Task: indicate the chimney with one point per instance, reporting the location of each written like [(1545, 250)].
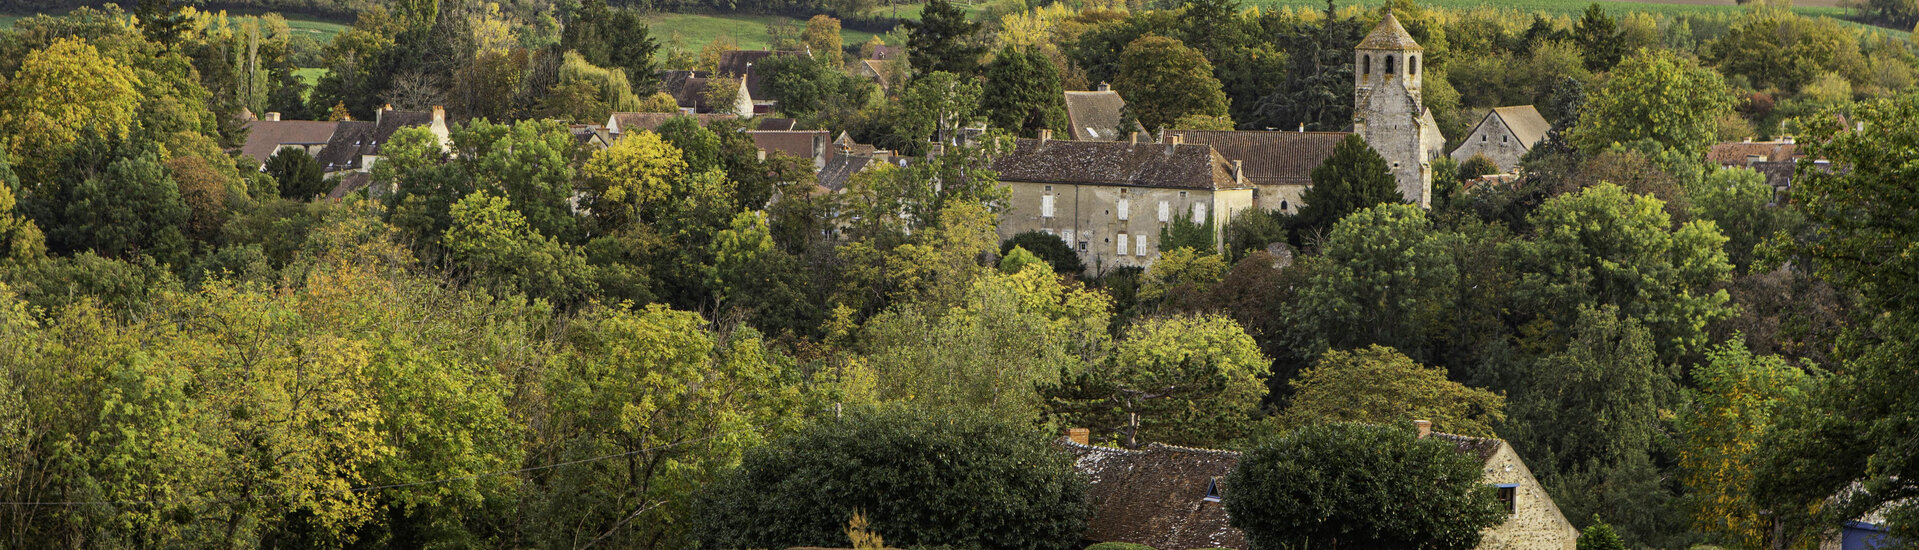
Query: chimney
[(1239, 172), (272, 116), (1045, 135), (1425, 428), (1081, 436), (1135, 138), (1302, 127), (439, 115), (1104, 87), (1173, 143), (1787, 139)]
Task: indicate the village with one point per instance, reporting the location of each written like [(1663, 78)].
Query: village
[(1094, 274)]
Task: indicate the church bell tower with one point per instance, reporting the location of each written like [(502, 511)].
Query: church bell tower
[(1388, 110)]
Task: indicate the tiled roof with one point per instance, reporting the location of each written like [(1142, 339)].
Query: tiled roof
[(352, 181), (1116, 163), (1525, 123), (1270, 158), (266, 136), (884, 52), (806, 144), (633, 122), (876, 69), (342, 151), (841, 168), (776, 124), (1735, 153), (1094, 116), (1389, 35), (1480, 447), (1156, 495)]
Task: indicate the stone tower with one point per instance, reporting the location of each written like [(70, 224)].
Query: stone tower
[(1388, 111)]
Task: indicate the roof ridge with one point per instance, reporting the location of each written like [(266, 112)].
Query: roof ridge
[(1220, 452)]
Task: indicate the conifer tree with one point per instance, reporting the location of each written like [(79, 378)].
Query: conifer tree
[(1354, 178)]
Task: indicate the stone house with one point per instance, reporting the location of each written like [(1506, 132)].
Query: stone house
[(1279, 165), (268, 135), (1505, 135), (355, 144), (1095, 115), (1170, 498), (1776, 160), (1389, 111), (1109, 199)]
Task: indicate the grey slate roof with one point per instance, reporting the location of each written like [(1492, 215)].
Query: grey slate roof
[(1270, 158), (266, 136), (688, 88), (841, 168), (1116, 163), (1094, 116), (342, 152), (739, 64), (1525, 123), (1156, 495), (1390, 35), (768, 124)]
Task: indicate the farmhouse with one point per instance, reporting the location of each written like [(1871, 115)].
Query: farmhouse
[(1505, 135)]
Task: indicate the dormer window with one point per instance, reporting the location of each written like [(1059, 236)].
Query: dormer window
[(1212, 490)]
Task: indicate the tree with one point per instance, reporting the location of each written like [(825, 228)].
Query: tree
[(943, 40), (1605, 247), (1378, 385), (59, 94), (1477, 166), (297, 173), (1022, 93), (1355, 177), (635, 173), (1183, 380), (1743, 206), (133, 208), (1163, 80), (1599, 39), (822, 37), (493, 244), (1384, 277), (1599, 536), (676, 402), (1355, 485), (613, 37), (20, 239), (1048, 247), (938, 105), (922, 477), (1720, 432), (1658, 96)]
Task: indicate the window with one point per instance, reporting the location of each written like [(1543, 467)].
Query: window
[(1482, 138), (1165, 212), (1503, 139), (1124, 207), (1509, 496), (1066, 235), (1139, 246), (1389, 64), (1046, 206), (1283, 206), (1122, 244), (1412, 65), (1082, 246), (1212, 490), (1366, 65), (1199, 212)]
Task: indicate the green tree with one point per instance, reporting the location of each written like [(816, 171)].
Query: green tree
[(1330, 485), (822, 37), (940, 104), (674, 403), (534, 164), (493, 244), (613, 37), (20, 238), (1658, 96), (1378, 385), (1599, 535), (133, 208), (1599, 40), (922, 477), (1384, 277), (943, 40), (1720, 431), (1022, 93), (1744, 207), (1048, 247), (1477, 166), (60, 94), (1183, 380), (1354, 178), (1163, 80), (297, 174), (635, 174)]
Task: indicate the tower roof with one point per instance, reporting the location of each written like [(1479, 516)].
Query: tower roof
[(1390, 35)]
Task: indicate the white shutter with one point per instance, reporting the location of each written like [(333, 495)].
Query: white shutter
[(1067, 236), (1139, 246), (1122, 244), (1046, 206), (1199, 212), (1165, 212), (1124, 207)]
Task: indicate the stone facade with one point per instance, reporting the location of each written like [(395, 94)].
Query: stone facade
[(1505, 135), (1389, 111), (1109, 200), (1536, 523)]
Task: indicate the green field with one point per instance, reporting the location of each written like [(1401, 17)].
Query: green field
[(1562, 7), (749, 31), (311, 76), (320, 30)]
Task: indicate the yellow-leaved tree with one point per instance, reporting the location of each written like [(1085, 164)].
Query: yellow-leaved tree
[(62, 92), (1721, 432), (637, 171)]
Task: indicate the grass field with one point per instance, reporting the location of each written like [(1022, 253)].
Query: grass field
[(1575, 7), (320, 30), (749, 31)]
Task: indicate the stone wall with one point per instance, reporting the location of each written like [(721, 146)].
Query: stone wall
[(1087, 217), (1536, 523), (1495, 140), (1392, 120)]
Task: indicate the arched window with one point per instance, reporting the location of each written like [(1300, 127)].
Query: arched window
[(1412, 65), (1389, 64), (1366, 65)]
